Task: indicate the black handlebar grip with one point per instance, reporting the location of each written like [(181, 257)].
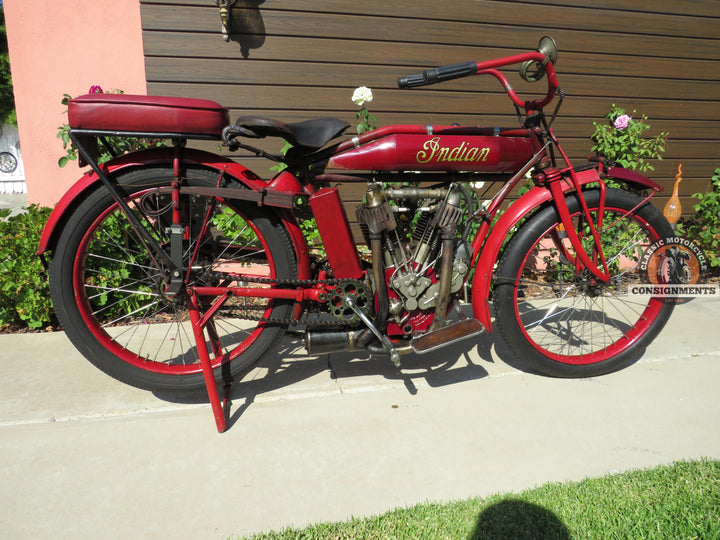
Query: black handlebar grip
[(438, 74), (453, 71), (411, 81)]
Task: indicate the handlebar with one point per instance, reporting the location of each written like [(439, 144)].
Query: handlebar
[(439, 74), (464, 69)]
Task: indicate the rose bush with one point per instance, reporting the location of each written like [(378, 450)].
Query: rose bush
[(118, 145), (362, 95), (366, 120), (621, 140), (622, 121)]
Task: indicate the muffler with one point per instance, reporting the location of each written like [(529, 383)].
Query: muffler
[(330, 342)]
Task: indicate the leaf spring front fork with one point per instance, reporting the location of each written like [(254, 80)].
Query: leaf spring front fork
[(581, 260)]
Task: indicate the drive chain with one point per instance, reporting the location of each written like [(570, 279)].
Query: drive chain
[(242, 312)]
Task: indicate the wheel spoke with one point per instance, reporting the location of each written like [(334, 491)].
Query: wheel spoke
[(562, 313), (127, 296)]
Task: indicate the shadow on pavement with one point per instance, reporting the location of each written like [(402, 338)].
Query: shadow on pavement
[(289, 364)]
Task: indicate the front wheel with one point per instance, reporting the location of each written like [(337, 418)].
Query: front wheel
[(562, 322), (110, 295)]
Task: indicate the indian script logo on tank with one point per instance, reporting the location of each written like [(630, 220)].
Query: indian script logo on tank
[(674, 269), (432, 152)]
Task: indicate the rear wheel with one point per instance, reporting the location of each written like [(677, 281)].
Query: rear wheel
[(563, 322), (110, 296)]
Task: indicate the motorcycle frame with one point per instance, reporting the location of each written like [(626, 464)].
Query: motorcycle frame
[(299, 185), (287, 189)]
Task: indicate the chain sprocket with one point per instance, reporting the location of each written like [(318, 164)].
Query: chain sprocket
[(358, 291)]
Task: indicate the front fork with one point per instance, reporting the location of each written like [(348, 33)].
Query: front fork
[(597, 266)]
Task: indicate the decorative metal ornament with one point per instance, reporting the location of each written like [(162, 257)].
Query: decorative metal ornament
[(673, 208), (8, 162), (225, 6)]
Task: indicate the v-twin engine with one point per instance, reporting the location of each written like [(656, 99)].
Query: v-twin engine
[(423, 260)]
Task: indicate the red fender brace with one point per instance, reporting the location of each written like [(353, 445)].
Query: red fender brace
[(165, 156)]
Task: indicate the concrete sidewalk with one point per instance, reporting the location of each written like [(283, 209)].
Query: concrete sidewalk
[(15, 202), (327, 438)]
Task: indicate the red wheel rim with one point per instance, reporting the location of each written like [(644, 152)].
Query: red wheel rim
[(128, 356), (643, 323)]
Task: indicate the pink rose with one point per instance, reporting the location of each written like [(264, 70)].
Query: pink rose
[(622, 121), (95, 89)]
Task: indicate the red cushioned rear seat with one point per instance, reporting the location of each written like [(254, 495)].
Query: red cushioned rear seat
[(147, 114)]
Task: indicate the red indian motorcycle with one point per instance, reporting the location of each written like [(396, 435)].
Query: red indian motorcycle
[(175, 269)]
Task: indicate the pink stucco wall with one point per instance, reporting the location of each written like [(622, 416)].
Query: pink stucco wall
[(59, 47)]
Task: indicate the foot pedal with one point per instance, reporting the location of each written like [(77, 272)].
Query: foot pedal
[(447, 335), (384, 340)]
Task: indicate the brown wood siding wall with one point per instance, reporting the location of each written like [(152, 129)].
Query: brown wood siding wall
[(303, 59)]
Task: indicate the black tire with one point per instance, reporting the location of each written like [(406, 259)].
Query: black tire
[(560, 322), (108, 293)]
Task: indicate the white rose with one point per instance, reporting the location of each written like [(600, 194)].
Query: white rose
[(362, 95)]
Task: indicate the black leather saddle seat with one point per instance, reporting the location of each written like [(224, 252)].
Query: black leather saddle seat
[(309, 134)]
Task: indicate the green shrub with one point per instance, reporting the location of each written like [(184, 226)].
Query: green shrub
[(24, 291), (703, 228), (621, 140), (7, 100)]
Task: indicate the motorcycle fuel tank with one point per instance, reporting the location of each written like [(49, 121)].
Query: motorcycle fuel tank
[(436, 151)]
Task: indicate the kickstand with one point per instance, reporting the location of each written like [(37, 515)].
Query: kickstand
[(219, 409)]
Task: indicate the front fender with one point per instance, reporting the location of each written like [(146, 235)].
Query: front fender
[(521, 208), (164, 156), (632, 178)]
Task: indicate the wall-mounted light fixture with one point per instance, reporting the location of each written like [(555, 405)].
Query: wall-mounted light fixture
[(225, 6)]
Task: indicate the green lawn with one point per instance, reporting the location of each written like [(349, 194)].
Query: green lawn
[(680, 501)]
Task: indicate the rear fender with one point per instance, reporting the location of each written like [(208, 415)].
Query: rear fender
[(531, 201), (164, 156)]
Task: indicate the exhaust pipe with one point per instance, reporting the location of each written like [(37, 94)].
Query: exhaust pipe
[(329, 342)]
